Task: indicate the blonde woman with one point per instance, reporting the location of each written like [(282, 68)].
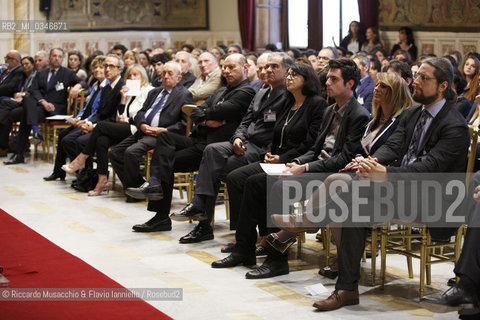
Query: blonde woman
[(391, 97), (130, 58), (107, 133)]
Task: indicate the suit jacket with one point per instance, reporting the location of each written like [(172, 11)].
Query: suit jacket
[(11, 83), (253, 126), (301, 131), (347, 141), (383, 134), (171, 116), (364, 91), (65, 77), (187, 80), (226, 103), (109, 102), (444, 147)]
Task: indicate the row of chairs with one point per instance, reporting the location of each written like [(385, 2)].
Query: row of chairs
[(412, 240)]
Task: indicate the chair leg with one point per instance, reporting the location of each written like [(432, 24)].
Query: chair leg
[(374, 254), (383, 257), (423, 252), (326, 238), (409, 248), (428, 259)]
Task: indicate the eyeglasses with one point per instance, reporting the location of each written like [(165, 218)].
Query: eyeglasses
[(9, 58), (422, 77), (291, 75), (110, 66), (323, 58)]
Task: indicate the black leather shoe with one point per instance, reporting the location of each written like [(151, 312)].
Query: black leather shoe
[(327, 272), (270, 268), (54, 176), (453, 299), (452, 282), (152, 225), (15, 159), (190, 212), (36, 138), (228, 248), (132, 200), (198, 234), (233, 260), (261, 251), (146, 191)]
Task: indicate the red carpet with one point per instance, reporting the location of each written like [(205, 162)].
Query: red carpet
[(31, 261)]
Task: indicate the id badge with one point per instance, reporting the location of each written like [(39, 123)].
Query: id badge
[(366, 143), (269, 116), (59, 86)]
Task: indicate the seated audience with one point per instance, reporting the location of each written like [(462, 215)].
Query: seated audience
[(107, 134), (161, 112)]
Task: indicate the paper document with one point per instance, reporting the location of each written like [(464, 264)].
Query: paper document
[(316, 289), (133, 87), (59, 117), (275, 169)]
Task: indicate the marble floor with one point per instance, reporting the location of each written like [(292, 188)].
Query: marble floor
[(98, 231)]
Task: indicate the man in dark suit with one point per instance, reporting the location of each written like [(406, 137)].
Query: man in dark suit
[(431, 138), (249, 142), (185, 60), (364, 90), (12, 76), (464, 296), (215, 120), (47, 96), (338, 141), (161, 112), (72, 140)]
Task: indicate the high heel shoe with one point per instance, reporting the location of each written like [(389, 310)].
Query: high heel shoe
[(274, 241), (71, 168), (99, 190)]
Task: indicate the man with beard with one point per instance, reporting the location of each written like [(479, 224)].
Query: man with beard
[(430, 138)]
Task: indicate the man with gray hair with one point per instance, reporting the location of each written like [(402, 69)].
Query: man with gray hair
[(248, 143), (11, 77), (185, 60), (215, 121), (11, 110), (48, 97), (209, 80), (364, 90), (325, 55), (41, 60), (161, 112)]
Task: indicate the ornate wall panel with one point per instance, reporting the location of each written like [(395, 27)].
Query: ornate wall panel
[(438, 15), (106, 15)]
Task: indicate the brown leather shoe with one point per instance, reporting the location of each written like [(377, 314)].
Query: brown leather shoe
[(294, 223), (338, 299)]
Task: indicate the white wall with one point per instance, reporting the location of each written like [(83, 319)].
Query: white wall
[(438, 43)]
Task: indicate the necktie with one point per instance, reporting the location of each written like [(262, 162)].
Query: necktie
[(4, 75), (417, 133), (156, 108), (52, 80)]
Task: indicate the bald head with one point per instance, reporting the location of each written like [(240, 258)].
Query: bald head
[(235, 69), (13, 58)]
